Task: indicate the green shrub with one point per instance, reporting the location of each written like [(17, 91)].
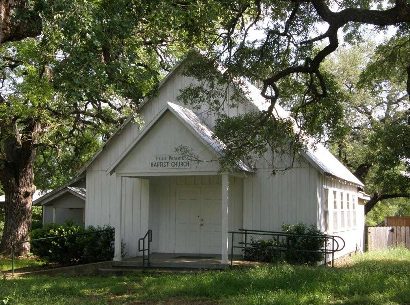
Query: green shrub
[(73, 244), (36, 218), (302, 244), (263, 251), (303, 249)]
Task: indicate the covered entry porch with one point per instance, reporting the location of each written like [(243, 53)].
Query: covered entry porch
[(189, 215)]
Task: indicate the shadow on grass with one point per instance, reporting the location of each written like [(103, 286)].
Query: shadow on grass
[(368, 281)]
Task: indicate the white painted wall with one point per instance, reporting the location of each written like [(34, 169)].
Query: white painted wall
[(162, 139), (289, 197)]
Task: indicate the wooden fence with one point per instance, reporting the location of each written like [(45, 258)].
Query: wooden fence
[(397, 221), (385, 237)]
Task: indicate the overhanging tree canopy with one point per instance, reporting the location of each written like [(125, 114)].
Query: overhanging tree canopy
[(282, 46)]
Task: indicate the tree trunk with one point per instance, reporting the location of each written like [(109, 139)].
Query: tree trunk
[(17, 179), (18, 214), (18, 20)]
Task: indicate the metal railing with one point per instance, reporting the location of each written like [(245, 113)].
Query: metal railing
[(14, 245), (283, 242), (144, 246)]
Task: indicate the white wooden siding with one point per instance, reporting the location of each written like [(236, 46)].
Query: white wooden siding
[(163, 138), (284, 198)]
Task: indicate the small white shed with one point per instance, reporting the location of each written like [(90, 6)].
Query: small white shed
[(65, 204), (138, 181)]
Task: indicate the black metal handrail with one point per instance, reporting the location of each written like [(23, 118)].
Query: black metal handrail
[(14, 244), (331, 243), (144, 246)]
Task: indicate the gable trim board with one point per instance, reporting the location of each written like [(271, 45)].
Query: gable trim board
[(76, 191), (130, 118), (191, 121)]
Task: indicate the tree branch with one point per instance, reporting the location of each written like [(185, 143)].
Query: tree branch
[(379, 197), (400, 13)]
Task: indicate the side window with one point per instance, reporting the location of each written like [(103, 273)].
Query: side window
[(342, 211), (348, 211), (335, 212), (325, 210), (354, 210)]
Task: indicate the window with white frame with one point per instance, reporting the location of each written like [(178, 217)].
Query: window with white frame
[(348, 211), (342, 212), (354, 210), (325, 210), (335, 215)]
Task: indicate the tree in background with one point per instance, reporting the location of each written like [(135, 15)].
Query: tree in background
[(376, 141)]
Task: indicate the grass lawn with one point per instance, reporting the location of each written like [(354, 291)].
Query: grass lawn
[(373, 278), (31, 262)]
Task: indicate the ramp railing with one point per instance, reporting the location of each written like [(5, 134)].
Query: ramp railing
[(282, 242)]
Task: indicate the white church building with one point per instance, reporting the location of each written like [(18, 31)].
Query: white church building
[(138, 182)]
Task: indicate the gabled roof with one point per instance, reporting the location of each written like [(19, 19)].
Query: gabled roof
[(317, 155), (190, 120), (79, 192), (129, 120)]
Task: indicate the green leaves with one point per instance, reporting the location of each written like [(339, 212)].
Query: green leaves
[(252, 136)]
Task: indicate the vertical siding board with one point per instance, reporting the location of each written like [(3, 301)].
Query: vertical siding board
[(256, 203), (144, 205), (264, 206), (113, 204), (247, 202)]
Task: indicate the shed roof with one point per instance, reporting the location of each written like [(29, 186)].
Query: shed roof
[(79, 192)]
